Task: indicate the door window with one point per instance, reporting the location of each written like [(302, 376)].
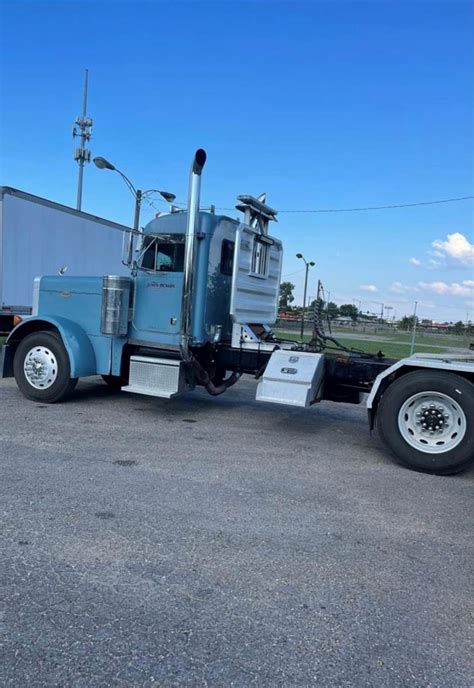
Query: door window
[(163, 253), (227, 257)]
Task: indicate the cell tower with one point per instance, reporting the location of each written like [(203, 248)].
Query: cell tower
[(82, 128)]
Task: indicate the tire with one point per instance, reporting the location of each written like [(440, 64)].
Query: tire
[(426, 418), (114, 381), (41, 368)]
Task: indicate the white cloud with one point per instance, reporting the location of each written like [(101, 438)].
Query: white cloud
[(464, 288), (415, 261), (457, 247), (369, 287), (399, 288)]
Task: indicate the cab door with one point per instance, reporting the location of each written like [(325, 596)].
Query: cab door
[(159, 290)]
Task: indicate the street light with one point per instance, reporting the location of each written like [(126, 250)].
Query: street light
[(308, 265), (138, 194), (381, 312)]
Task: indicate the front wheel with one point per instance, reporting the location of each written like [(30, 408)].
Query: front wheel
[(426, 418), (41, 368)]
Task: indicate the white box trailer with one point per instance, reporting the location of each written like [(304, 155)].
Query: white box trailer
[(40, 237)]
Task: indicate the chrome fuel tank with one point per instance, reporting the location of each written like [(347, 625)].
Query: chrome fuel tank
[(115, 305)]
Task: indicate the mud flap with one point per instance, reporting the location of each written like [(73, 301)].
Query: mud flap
[(6, 361)]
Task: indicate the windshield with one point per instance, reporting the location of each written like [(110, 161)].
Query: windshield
[(163, 253)]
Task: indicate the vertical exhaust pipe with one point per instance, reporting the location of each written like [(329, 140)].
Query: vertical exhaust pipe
[(197, 166)]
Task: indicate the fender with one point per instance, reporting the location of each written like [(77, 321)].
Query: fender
[(455, 363), (76, 342)]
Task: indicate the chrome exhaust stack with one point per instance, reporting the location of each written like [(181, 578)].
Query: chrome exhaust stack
[(197, 166)]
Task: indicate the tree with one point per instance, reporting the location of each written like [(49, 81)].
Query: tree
[(458, 328), (348, 310), (286, 294), (332, 310), (329, 310), (406, 323)]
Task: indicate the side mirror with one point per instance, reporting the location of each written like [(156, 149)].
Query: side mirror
[(127, 248)]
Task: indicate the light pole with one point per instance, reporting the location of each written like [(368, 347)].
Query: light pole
[(359, 311), (82, 154), (413, 334), (138, 194), (308, 265), (381, 312)]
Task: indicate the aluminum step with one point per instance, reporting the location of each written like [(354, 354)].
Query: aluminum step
[(156, 377)]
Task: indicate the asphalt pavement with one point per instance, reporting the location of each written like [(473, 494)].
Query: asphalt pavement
[(223, 542)]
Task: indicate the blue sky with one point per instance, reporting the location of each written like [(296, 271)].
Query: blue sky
[(320, 104)]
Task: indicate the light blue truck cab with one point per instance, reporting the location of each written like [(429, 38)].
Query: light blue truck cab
[(158, 285)]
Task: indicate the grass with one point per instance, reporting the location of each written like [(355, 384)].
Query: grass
[(422, 338), (391, 349)]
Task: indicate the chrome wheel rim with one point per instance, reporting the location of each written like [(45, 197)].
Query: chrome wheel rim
[(40, 367), (432, 422)]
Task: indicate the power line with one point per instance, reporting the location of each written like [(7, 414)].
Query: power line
[(348, 210), (296, 272), (353, 210), (379, 207), (356, 210), (372, 207), (151, 204)]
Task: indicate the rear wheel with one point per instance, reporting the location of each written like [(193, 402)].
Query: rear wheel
[(41, 368), (427, 419)]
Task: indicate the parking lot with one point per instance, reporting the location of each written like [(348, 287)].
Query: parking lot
[(221, 542)]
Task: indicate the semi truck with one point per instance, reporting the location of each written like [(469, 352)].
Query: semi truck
[(196, 311), (39, 237)]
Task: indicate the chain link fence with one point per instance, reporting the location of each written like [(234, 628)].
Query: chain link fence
[(430, 338)]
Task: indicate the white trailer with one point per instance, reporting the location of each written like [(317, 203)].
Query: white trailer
[(40, 237)]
